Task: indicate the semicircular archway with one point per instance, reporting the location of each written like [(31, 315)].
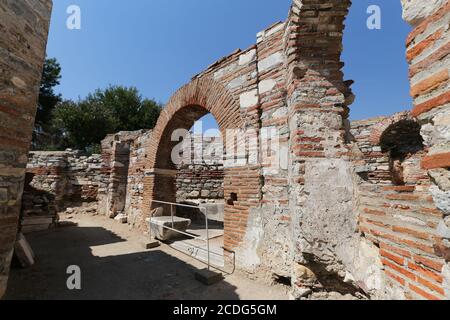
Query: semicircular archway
[(190, 103)]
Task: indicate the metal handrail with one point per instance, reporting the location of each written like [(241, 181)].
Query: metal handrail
[(172, 204)]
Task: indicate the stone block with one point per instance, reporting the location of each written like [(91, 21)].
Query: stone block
[(215, 211), (121, 218), (208, 277), (249, 99), (270, 62), (205, 193), (159, 231), (23, 252), (194, 194), (247, 57), (267, 85), (151, 244)]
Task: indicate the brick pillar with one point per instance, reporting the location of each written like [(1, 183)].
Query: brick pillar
[(118, 178), (320, 177), (24, 28)]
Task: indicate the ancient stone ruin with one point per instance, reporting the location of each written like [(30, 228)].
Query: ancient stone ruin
[(361, 206)]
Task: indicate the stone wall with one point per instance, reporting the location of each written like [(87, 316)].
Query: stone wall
[(23, 36), (201, 171), (200, 182), (57, 181), (199, 175), (70, 175)]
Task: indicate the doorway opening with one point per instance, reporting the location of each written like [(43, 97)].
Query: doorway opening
[(199, 187)]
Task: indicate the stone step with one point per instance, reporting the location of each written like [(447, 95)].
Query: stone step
[(198, 251)]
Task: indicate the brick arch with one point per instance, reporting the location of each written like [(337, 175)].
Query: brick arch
[(191, 102), (381, 127), (402, 135), (187, 105)]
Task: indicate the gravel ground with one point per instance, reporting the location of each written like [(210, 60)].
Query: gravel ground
[(114, 265)]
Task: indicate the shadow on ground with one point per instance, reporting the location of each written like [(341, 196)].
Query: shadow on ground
[(105, 273)]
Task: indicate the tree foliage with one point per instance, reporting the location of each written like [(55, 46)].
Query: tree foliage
[(48, 99), (83, 124)]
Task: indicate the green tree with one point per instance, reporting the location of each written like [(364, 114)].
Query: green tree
[(129, 110), (42, 135), (83, 124), (48, 99)]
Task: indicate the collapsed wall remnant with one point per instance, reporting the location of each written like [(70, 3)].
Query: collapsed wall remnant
[(60, 180), (56, 181), (360, 208)]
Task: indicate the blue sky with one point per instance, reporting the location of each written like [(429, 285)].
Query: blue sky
[(158, 45)]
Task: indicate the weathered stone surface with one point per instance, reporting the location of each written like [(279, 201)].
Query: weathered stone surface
[(415, 11), (56, 180), (5, 259), (441, 178), (270, 62), (304, 276), (159, 232), (248, 57), (23, 37), (248, 257), (208, 277), (214, 211), (249, 99), (266, 85), (367, 269), (442, 199), (328, 223), (121, 218), (200, 175)]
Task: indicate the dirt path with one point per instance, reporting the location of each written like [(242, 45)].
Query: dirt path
[(115, 266)]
